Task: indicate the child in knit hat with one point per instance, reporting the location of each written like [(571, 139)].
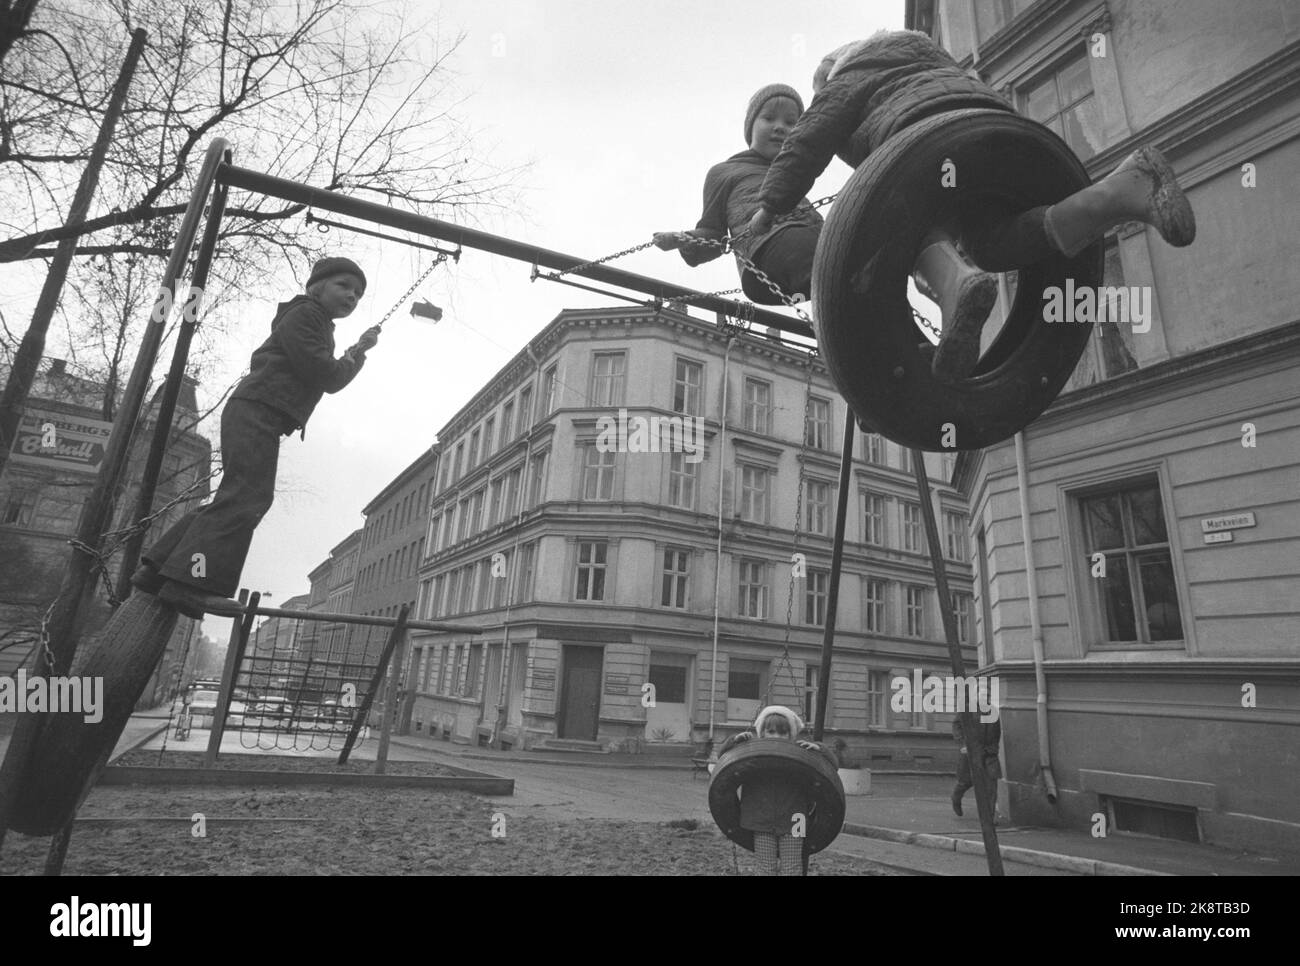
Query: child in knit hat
[(771, 807), (195, 566), (784, 251), (869, 90)]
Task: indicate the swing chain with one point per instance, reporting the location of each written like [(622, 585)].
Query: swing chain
[(798, 529), (596, 261), (441, 257)]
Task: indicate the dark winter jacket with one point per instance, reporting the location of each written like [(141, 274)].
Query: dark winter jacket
[(295, 366), (887, 83), (769, 803), (731, 190)]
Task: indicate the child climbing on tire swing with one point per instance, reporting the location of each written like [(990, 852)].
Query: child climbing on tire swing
[(195, 566), (784, 251), (773, 807), (869, 90)]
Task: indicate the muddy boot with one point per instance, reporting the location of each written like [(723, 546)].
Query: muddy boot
[(1143, 188), (965, 296)]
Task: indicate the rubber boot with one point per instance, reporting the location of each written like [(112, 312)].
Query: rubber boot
[(1143, 188), (965, 296)]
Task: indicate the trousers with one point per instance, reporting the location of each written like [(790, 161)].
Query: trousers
[(778, 854), (207, 547)]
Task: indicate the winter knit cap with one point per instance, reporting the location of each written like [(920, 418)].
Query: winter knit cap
[(336, 266), (780, 711), (763, 95)]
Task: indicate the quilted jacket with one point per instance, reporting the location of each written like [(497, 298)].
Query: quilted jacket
[(295, 366), (886, 83)]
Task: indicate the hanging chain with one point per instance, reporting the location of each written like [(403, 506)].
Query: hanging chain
[(442, 257), (798, 530), (552, 276)]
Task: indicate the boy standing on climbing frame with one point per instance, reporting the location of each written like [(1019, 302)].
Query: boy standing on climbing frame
[(195, 566)]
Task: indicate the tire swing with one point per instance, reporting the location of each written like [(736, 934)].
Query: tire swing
[(785, 760), (865, 330), (69, 751)]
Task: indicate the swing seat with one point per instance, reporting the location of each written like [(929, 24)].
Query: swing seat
[(873, 349), (790, 762), (68, 751)]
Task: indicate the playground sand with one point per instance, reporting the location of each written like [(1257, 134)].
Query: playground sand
[(353, 831)]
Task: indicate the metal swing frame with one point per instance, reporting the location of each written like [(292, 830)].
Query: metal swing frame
[(217, 175)]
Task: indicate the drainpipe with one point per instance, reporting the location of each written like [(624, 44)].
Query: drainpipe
[(1035, 622), (717, 568)]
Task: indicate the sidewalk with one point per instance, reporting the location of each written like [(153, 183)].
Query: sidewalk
[(915, 809)]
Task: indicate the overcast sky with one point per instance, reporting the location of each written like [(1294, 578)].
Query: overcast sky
[(621, 106)]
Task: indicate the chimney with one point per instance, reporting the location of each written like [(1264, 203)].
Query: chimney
[(58, 367)]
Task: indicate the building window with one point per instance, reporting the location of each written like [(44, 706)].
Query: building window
[(524, 575), (746, 683), (961, 606), (20, 508), (435, 599), (1137, 598), (459, 468), (548, 391), (466, 589), (814, 606), (874, 446), (537, 479), (472, 672), (501, 579), (914, 609), (489, 436), (753, 589), (817, 430), (525, 410), (688, 387), (1063, 100), (683, 481), (494, 504), (754, 487), (507, 423), (757, 406), (873, 606), (905, 459), (911, 526), (811, 690), (873, 519), (608, 370), (669, 680), (675, 573), (876, 699), (954, 535), (453, 592), (484, 584), (947, 463), (817, 507), (597, 473), (463, 531), (511, 506), (591, 570), (476, 511)]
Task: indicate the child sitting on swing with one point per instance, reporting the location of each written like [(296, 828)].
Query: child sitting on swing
[(784, 251), (869, 90), (771, 807)]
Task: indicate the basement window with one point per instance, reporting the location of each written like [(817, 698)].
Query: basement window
[(1150, 818)]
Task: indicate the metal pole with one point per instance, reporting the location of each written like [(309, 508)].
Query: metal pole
[(171, 391), (398, 631), (470, 238), (837, 560), (983, 800), (234, 657), (30, 350)]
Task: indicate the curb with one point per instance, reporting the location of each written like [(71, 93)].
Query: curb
[(1010, 853), (507, 757)]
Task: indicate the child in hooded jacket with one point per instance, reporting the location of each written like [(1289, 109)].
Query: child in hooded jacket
[(868, 90), (772, 807), (195, 566), (784, 250)]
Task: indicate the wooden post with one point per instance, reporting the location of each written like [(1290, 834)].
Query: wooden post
[(391, 698), (983, 800), (397, 633), (234, 657)]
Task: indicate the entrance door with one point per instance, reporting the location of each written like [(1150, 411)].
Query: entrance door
[(492, 684), (581, 702)]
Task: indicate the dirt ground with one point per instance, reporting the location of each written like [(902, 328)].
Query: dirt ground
[(149, 830)]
